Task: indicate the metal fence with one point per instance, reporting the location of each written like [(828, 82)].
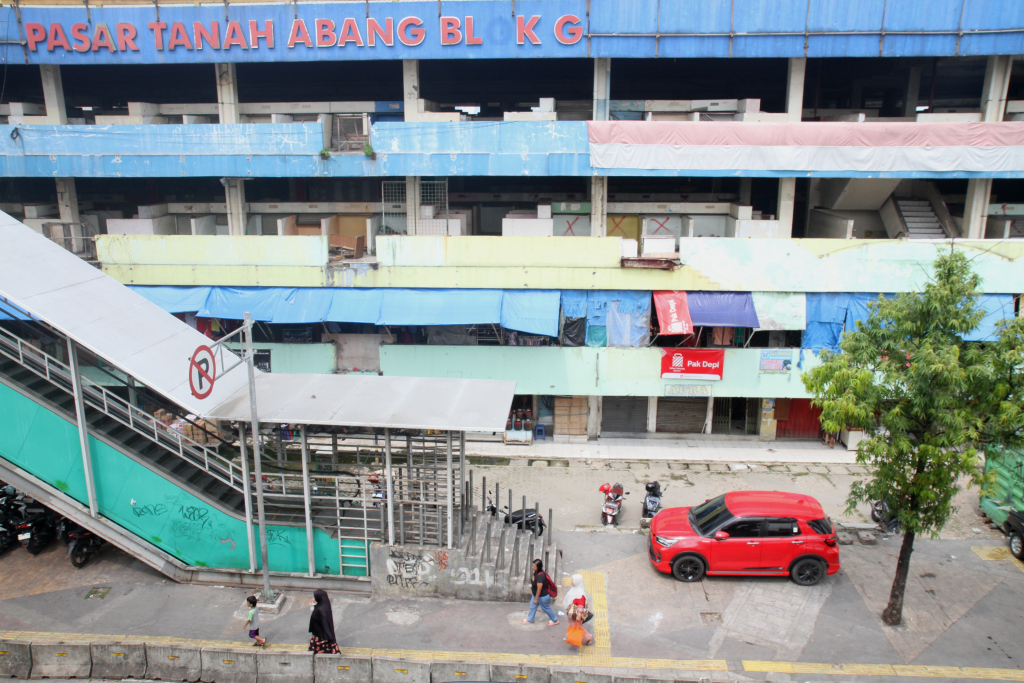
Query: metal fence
[(414, 207)]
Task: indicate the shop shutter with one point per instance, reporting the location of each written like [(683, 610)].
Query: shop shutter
[(682, 415), (803, 423), (624, 414)]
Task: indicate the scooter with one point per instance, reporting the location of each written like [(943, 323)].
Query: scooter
[(884, 517), (534, 520), (8, 537), (82, 544), (33, 523), (652, 501), (613, 497)]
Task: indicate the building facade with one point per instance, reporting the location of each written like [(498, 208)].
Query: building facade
[(651, 215)]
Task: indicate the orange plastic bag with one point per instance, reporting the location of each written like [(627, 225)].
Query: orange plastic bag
[(574, 635)]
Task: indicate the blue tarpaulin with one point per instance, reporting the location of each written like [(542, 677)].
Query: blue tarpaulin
[(722, 309), (355, 305), (997, 307), (826, 314), (533, 311), (175, 299), (440, 306), (303, 305), (233, 302), (574, 303)]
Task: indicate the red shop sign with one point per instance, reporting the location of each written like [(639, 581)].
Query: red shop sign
[(692, 363)]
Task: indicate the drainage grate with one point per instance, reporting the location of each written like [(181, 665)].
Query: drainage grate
[(97, 593), (710, 618)]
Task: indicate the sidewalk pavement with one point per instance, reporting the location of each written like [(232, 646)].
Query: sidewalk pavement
[(694, 449), (961, 619)]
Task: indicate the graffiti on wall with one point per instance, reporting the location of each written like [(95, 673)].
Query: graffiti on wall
[(433, 570)]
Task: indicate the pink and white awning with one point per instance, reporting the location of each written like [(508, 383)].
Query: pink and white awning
[(808, 147)]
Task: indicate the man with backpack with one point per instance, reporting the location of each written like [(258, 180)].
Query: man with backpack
[(543, 589)]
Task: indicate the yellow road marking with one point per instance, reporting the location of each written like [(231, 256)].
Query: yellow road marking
[(903, 670), (997, 553)]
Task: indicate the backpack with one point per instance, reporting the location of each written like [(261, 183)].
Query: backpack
[(552, 588)]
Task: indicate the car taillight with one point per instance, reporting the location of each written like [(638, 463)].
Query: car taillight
[(830, 542), (24, 526)]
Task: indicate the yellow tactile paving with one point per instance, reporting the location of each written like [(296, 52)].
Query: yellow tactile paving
[(997, 552), (903, 670)]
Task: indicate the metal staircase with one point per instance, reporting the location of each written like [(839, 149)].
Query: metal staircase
[(341, 505), (920, 219)]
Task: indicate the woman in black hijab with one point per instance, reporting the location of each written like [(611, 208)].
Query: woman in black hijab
[(321, 625)]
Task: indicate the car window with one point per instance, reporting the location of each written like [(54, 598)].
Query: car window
[(709, 516), (781, 527), (822, 526), (744, 528)]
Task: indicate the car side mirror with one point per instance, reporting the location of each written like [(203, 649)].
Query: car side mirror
[(721, 535)]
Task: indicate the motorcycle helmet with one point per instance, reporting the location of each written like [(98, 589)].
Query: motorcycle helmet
[(8, 490), (605, 488)]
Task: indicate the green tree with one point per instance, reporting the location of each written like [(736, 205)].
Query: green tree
[(927, 400)]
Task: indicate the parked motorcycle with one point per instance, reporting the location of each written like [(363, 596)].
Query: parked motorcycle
[(8, 536), (652, 501), (885, 517), (34, 524), (613, 498), (82, 543), (534, 520)]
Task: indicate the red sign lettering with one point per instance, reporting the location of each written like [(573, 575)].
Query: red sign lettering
[(570, 35), (524, 29), (450, 33), (409, 32)]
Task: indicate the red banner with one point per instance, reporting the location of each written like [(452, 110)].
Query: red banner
[(692, 363), (673, 313)]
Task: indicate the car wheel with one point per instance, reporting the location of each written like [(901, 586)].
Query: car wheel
[(808, 571), (688, 568), (1017, 545)]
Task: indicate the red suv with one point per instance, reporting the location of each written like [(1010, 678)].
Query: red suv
[(752, 533)]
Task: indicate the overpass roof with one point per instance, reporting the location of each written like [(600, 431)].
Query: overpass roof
[(155, 348)]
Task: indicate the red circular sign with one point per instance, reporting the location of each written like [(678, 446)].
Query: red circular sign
[(202, 372)]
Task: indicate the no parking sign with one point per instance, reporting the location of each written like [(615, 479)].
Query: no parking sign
[(202, 372)]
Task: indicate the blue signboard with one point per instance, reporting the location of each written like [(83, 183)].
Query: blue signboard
[(155, 33)]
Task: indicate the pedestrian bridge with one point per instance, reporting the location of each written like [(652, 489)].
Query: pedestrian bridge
[(122, 417)]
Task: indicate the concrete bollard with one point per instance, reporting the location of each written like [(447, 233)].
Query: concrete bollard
[(118, 660), (452, 672), (284, 667), (173, 662), (226, 665), (343, 668), (575, 675), (61, 660), (520, 673), (15, 659), (394, 670)]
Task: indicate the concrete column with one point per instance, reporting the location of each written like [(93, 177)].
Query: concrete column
[(598, 206), (411, 96), (794, 110), (595, 405), (746, 185), (993, 108), (602, 87), (910, 97), (652, 414), (53, 94), (227, 93), (234, 190), (67, 200), (411, 88)]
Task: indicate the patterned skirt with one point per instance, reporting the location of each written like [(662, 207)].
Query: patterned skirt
[(323, 647)]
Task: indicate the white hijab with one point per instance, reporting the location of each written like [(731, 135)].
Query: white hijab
[(575, 592)]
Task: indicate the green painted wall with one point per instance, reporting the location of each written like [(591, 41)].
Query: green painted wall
[(760, 265), (143, 502), (588, 371), (320, 359)]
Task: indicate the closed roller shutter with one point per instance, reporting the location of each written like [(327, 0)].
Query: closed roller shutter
[(682, 415), (624, 414), (803, 421)]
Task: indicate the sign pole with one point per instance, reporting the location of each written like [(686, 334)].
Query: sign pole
[(268, 594)]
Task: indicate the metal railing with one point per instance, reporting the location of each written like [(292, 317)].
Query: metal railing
[(99, 398)]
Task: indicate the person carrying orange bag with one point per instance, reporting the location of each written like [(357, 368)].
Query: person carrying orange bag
[(578, 611)]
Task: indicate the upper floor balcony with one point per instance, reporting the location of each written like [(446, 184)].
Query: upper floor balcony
[(480, 262)]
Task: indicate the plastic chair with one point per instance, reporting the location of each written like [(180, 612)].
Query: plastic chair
[(538, 433)]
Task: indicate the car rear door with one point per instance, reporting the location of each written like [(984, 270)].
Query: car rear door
[(781, 541), (741, 552)]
